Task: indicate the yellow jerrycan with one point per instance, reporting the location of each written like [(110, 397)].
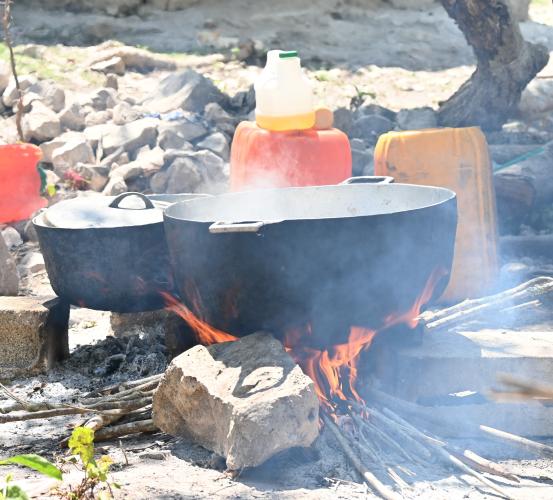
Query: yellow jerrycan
[(458, 159)]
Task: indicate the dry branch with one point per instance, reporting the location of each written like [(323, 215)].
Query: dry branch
[(369, 478), (475, 308), (6, 21), (539, 448), (125, 429)]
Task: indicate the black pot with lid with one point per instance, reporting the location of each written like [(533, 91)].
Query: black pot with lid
[(108, 253)]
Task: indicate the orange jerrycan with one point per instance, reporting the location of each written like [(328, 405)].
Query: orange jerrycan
[(458, 159), (19, 182), (263, 158)]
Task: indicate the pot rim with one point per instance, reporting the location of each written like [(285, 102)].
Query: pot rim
[(448, 196)]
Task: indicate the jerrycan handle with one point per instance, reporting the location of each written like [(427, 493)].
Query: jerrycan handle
[(369, 179)]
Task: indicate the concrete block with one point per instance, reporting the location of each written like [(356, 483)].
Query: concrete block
[(33, 334), (447, 363)]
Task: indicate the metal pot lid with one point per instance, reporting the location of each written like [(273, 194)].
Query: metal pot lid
[(127, 209)]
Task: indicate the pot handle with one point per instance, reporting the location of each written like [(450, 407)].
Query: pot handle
[(369, 179), (235, 227), (118, 199)]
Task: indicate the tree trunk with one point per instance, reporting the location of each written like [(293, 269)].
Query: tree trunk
[(505, 65)]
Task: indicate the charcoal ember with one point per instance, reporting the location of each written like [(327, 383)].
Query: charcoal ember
[(233, 396)]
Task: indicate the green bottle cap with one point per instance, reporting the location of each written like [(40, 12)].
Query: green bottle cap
[(288, 53)]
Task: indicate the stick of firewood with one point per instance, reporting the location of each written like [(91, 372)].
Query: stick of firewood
[(131, 392), (448, 457), (125, 429), (397, 479), (19, 416), (539, 448), (369, 478), (123, 385), (130, 404), (417, 445), (384, 437), (484, 465), (470, 309)]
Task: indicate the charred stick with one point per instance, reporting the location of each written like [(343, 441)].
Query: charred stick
[(539, 448), (125, 429), (369, 478)]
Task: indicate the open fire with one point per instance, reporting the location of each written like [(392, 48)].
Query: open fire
[(333, 370)]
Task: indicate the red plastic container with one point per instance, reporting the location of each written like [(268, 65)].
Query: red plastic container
[(19, 182), (263, 159)]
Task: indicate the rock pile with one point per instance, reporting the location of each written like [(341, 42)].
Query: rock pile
[(174, 139), (367, 122)]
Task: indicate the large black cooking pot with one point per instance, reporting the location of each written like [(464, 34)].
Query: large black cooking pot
[(108, 253), (334, 256)]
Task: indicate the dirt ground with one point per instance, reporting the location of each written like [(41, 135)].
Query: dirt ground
[(402, 59)]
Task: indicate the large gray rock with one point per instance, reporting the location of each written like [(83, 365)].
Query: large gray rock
[(12, 238), (10, 94), (245, 400), (195, 171), (98, 117), (187, 90), (49, 147), (371, 126), (222, 120), (175, 134), (95, 175), (131, 136), (103, 99), (9, 278), (52, 95), (537, 98), (124, 113), (417, 118), (73, 117), (72, 152), (114, 65), (41, 123), (218, 143), (5, 73)]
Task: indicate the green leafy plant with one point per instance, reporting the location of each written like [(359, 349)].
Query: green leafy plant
[(81, 445), (359, 98), (36, 462), (11, 491)]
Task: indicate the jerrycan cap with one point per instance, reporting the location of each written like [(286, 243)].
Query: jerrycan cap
[(288, 53)]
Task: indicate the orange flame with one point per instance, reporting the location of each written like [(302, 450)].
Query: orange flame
[(205, 333), (329, 368), (333, 370), (411, 317)]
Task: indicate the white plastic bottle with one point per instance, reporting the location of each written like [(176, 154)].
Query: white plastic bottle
[(284, 96)]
